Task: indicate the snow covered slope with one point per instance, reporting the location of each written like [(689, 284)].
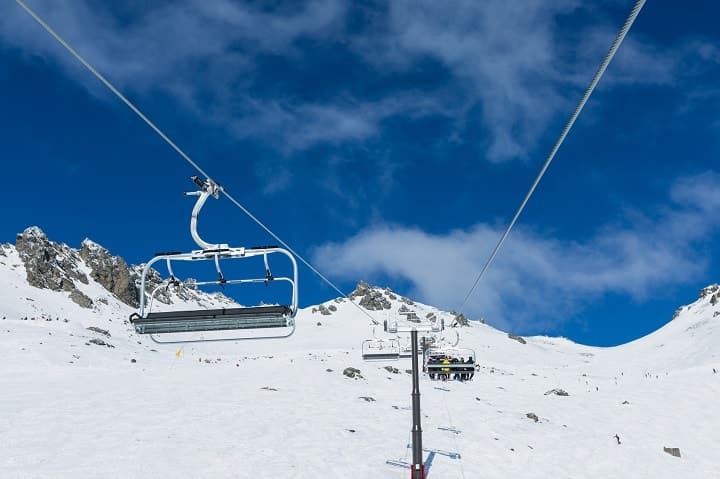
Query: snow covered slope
[(104, 402)]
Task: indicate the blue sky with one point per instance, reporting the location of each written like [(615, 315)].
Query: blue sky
[(388, 141)]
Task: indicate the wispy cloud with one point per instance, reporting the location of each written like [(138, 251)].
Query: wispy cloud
[(514, 64), (520, 62), (539, 281)]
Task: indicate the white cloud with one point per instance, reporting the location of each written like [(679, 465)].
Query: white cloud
[(509, 57), (524, 63), (538, 281)]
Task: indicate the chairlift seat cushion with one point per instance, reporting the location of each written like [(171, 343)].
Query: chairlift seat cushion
[(380, 356), (214, 320)]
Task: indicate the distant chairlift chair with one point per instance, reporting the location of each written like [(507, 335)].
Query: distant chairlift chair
[(380, 349), (443, 363), (248, 319)]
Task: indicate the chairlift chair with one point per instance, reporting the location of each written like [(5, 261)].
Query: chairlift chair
[(447, 362), (380, 349), (249, 320)]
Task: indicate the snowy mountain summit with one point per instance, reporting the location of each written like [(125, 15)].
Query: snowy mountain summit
[(82, 395)]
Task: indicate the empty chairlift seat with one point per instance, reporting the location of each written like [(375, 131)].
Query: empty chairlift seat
[(380, 349)]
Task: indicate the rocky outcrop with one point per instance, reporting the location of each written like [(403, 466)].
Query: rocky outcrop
[(95, 329), (517, 338), (709, 290), (110, 271), (713, 291), (81, 299), (100, 342), (673, 451), (352, 372), (557, 392), (322, 309), (58, 267), (370, 298), (49, 265)]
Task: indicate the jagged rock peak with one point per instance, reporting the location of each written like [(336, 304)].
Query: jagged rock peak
[(112, 272), (371, 298), (361, 289), (49, 265), (90, 245), (33, 232), (709, 290)]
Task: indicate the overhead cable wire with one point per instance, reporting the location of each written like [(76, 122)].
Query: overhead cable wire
[(179, 150), (593, 83)]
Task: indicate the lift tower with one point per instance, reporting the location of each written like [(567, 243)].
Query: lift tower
[(412, 324)]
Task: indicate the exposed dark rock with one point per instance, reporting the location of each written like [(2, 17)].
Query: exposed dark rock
[(323, 310), (533, 416), (389, 293), (361, 289), (268, 388), (133, 360), (110, 271), (374, 301), (517, 338), (352, 372), (332, 308), (99, 330), (371, 298), (557, 392), (707, 291), (673, 451), (100, 342), (81, 299), (367, 398), (391, 369), (48, 265), (407, 301)]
